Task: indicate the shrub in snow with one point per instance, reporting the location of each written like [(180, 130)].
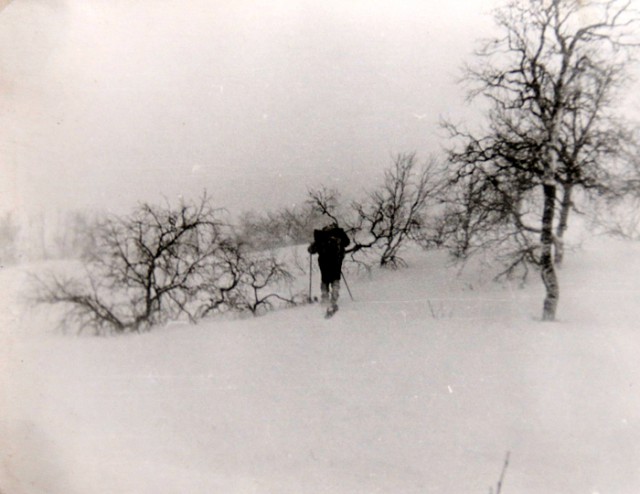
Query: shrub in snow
[(239, 279), (161, 264)]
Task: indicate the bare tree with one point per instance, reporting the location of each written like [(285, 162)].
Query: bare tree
[(260, 280), (483, 213), (238, 278), (325, 202), (549, 81), (394, 212), (390, 214), (164, 263), (145, 270)]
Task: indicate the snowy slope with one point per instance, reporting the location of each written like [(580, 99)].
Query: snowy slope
[(419, 386)]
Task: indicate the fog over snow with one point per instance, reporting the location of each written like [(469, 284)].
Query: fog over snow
[(109, 103)]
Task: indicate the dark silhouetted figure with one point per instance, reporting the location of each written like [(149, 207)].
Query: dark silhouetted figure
[(330, 243)]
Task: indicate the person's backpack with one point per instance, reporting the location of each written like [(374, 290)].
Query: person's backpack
[(329, 243)]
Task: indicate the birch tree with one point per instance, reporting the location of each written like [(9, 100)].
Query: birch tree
[(550, 79)]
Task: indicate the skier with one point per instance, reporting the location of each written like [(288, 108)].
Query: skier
[(330, 243)]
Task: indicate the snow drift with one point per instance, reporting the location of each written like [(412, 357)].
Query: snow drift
[(422, 384)]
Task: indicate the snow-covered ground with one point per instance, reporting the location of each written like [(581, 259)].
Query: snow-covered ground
[(421, 385)]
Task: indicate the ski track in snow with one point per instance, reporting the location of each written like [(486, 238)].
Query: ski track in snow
[(419, 386)]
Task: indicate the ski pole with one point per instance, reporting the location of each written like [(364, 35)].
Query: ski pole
[(310, 274), (346, 284)]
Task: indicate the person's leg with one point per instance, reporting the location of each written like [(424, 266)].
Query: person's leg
[(324, 292), (335, 292)]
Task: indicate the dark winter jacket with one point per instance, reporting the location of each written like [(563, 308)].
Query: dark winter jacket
[(330, 244)]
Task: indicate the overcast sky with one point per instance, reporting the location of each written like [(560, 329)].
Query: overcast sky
[(110, 102)]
